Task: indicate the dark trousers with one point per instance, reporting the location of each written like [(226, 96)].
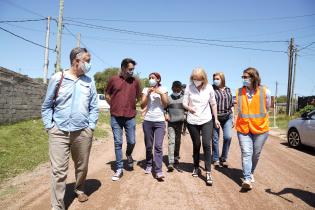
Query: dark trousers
[(154, 134), (205, 130)]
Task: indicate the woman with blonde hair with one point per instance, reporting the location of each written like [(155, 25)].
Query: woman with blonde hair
[(199, 100), (252, 124), (224, 98)]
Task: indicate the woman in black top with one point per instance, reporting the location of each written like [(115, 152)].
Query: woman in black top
[(224, 98)]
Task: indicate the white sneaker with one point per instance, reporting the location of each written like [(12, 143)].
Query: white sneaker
[(247, 185), (252, 179), (117, 175)]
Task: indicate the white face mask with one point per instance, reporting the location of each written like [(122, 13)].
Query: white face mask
[(176, 94), (197, 83), (152, 82)]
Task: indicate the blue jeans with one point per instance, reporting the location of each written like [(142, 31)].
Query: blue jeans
[(227, 136), (118, 124), (153, 136), (251, 146)]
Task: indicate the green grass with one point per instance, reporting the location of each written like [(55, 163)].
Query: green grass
[(23, 146), (282, 121)]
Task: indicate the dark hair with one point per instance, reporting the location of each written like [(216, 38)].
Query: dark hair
[(126, 61), (177, 84), (75, 51), (254, 75)]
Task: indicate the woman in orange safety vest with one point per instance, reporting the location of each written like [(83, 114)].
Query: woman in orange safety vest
[(252, 124)]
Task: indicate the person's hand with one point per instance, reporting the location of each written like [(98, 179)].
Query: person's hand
[(150, 90), (167, 117), (157, 90), (217, 123), (191, 110)]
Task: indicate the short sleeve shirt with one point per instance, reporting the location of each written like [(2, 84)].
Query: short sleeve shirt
[(155, 108), (124, 94), (200, 101)]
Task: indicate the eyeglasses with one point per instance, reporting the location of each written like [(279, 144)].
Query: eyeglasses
[(245, 77)]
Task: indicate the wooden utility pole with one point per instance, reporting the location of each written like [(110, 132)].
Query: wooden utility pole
[(290, 53), (58, 47), (46, 62), (275, 108), (293, 100), (78, 39)]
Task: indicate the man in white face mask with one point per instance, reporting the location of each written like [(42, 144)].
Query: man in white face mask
[(70, 114), (175, 116)]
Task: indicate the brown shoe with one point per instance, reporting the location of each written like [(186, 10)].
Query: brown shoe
[(83, 197)]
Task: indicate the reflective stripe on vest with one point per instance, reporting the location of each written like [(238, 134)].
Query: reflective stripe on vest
[(261, 104)]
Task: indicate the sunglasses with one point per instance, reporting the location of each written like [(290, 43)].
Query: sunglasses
[(131, 69), (245, 77)]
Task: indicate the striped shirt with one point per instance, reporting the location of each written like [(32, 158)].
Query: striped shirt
[(224, 99)]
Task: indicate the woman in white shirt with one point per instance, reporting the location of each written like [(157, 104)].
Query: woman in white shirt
[(154, 100), (199, 100)]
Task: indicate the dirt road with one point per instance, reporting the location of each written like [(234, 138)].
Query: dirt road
[(285, 179)]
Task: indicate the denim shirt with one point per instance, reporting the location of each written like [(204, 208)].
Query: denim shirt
[(75, 107)]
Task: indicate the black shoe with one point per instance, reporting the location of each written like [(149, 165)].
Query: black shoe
[(130, 162), (224, 163), (196, 172), (209, 179), (170, 168)]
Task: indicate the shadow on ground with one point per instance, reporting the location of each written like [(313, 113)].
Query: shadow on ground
[(302, 148), (91, 185), (305, 196)]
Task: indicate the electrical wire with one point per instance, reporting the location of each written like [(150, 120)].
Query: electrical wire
[(27, 40), (174, 38), (191, 21), (85, 46), (307, 46), (22, 21), (177, 37)]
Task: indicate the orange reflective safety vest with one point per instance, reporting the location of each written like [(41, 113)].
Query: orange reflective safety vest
[(252, 117)]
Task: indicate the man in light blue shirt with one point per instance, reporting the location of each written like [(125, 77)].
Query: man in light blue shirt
[(70, 114)]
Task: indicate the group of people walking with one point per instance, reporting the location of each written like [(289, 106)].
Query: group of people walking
[(70, 114)]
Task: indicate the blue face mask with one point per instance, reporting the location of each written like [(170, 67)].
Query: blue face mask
[(152, 82), (217, 82), (246, 82), (86, 67)]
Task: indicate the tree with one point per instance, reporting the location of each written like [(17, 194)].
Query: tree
[(282, 99), (102, 78)]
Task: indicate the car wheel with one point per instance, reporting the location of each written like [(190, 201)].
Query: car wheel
[(294, 139)]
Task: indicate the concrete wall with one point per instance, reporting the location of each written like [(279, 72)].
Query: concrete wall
[(20, 97)]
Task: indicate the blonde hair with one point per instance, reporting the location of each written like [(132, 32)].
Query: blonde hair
[(222, 77), (200, 72)]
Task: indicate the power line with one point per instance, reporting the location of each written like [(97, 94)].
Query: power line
[(85, 45), (27, 40), (307, 46), (177, 37), (174, 38), (23, 8), (22, 21), (192, 21)]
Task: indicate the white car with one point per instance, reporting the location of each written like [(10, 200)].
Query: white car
[(302, 130), (102, 103)]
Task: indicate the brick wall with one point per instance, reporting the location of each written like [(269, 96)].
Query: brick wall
[(20, 97)]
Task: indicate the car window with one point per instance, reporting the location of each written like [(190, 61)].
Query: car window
[(313, 117)]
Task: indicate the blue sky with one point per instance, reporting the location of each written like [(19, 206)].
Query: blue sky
[(225, 21)]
